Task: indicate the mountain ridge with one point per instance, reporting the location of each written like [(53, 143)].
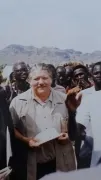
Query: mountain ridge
[(31, 54)]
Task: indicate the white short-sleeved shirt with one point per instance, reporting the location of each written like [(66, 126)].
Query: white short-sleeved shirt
[(90, 111), (80, 110), (88, 174)]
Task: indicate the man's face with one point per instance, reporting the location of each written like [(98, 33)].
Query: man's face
[(68, 76), (21, 72), (79, 75), (41, 82), (97, 73), (61, 76)]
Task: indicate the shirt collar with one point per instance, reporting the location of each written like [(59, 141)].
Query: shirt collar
[(50, 98)]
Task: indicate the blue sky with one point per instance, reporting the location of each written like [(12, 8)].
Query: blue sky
[(59, 23)]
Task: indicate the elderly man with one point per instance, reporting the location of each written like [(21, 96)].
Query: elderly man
[(35, 111)]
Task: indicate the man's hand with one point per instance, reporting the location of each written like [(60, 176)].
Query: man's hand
[(63, 138), (33, 143), (73, 99), (30, 141)]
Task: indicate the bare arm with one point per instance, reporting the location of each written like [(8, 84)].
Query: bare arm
[(19, 136)]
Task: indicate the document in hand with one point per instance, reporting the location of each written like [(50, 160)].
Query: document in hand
[(4, 173), (47, 135)]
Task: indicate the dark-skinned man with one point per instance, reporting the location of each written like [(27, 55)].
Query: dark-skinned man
[(69, 78), (89, 112), (80, 77), (7, 138), (61, 76), (54, 84), (84, 140), (20, 85)]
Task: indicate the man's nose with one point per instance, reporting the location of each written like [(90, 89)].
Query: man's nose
[(99, 74), (23, 72), (41, 81), (79, 77), (61, 77)]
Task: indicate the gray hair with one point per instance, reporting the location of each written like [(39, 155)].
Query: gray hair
[(40, 66)]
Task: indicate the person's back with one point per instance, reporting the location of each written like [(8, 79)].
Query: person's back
[(88, 174)]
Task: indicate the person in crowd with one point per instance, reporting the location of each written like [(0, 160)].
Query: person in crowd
[(20, 85), (36, 110), (54, 84), (80, 77), (84, 140), (90, 78), (89, 112), (11, 78), (88, 174), (1, 77), (61, 76), (69, 78), (7, 138)]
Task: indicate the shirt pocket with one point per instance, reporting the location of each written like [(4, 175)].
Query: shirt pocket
[(59, 122)]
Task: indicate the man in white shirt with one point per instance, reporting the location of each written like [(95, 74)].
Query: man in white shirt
[(89, 113)]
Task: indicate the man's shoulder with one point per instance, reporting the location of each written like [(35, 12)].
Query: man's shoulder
[(23, 96), (59, 95), (60, 88), (88, 91)]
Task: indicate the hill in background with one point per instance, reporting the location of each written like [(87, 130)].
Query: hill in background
[(30, 54)]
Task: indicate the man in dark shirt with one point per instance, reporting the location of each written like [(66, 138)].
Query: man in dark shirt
[(5, 121), (20, 85)]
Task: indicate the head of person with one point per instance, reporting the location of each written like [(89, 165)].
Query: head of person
[(20, 71), (69, 74), (90, 69), (96, 72), (61, 75), (40, 78), (80, 75), (1, 77), (53, 70), (12, 78)]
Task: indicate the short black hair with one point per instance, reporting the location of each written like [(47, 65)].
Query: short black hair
[(61, 67), (70, 68), (95, 64), (53, 69), (19, 63), (80, 66)]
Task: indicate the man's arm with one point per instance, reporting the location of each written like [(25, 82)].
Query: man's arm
[(72, 125)]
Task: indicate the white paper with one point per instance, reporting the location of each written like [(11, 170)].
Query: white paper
[(4, 173), (47, 135), (8, 146)]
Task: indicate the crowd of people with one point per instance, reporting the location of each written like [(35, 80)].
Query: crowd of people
[(65, 98)]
